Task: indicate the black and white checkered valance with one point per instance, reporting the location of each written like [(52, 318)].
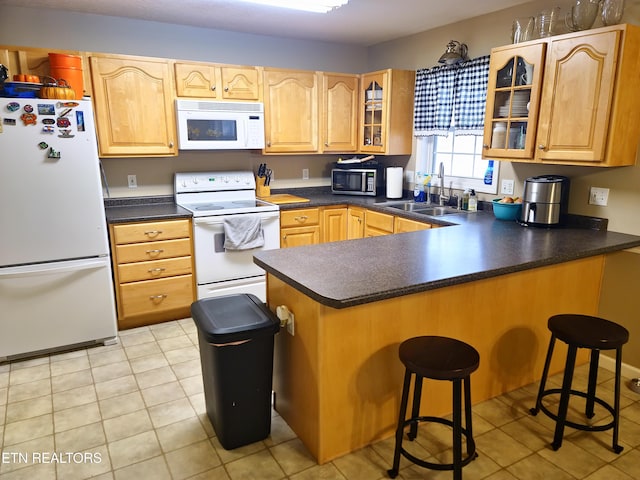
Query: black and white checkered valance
[(451, 95)]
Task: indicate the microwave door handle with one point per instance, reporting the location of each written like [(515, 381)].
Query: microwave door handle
[(364, 182), (245, 129)]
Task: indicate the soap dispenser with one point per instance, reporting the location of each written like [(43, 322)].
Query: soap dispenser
[(473, 201)]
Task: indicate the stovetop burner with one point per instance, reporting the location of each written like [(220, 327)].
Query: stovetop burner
[(207, 206)]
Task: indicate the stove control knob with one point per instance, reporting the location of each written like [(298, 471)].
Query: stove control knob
[(195, 180)]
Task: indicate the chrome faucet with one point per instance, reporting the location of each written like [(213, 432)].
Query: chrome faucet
[(442, 198)]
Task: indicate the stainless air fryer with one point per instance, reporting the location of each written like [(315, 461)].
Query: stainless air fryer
[(545, 201)]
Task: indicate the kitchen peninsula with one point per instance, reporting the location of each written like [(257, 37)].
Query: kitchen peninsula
[(487, 282)]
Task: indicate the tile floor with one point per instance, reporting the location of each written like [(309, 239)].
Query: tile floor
[(136, 410)]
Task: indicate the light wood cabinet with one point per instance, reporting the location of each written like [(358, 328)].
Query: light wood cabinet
[(299, 227), (153, 271), (339, 112), (134, 106), (376, 223), (355, 223), (403, 225), (291, 111), (334, 224), (218, 82), (386, 116), (35, 61), (580, 92)]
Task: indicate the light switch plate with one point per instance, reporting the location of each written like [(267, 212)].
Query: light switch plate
[(599, 196), (506, 187)]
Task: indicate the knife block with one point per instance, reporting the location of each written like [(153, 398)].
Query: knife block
[(262, 190)]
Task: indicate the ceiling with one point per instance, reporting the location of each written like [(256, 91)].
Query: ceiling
[(360, 22)]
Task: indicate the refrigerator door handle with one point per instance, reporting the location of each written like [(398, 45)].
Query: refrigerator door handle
[(49, 269)]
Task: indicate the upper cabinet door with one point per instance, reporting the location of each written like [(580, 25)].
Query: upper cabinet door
[(576, 103), (340, 112), (513, 97), (291, 102), (133, 100), (197, 80), (241, 83)]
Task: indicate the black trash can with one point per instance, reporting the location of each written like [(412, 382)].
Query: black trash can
[(235, 333)]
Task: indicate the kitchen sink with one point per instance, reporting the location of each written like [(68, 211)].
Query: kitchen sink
[(431, 210)]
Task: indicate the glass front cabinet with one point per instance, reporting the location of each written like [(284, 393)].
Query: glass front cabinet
[(513, 101), (374, 92)]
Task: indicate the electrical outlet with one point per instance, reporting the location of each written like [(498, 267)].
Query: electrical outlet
[(598, 196), (305, 174), (291, 327), (132, 180), (507, 187)]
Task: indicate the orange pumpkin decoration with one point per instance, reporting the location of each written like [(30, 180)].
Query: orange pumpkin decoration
[(57, 89)]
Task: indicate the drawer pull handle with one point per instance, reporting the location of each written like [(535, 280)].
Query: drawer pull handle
[(153, 271), (153, 233), (158, 298), (302, 218), (157, 251)]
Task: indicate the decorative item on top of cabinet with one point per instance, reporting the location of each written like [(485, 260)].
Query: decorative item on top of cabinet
[(339, 112), (291, 111), (386, 103), (588, 111), (153, 271), (299, 227), (35, 61), (213, 81), (134, 108)]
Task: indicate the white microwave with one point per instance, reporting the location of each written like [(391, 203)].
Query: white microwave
[(208, 125)]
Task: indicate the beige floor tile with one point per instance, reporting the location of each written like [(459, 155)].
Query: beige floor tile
[(292, 456), (134, 449), (76, 417), (218, 473), (536, 467), (175, 343), (116, 387), (501, 475), (85, 464), (121, 405), (609, 472), (194, 459), (320, 472), (30, 374), (25, 391), (25, 430), (4, 378), (181, 434), (163, 393), (497, 412), (142, 350), (33, 407), (166, 330), (181, 355), (127, 425), (3, 396), (136, 337), (198, 403), (502, 448), (192, 385), (68, 355), (280, 432), (629, 462), (573, 459), (190, 368), (364, 464), (81, 438), (529, 432), (111, 371), (149, 362), (257, 466), (170, 412), (37, 471), (228, 456), (31, 362), (155, 468), (70, 365), (74, 397), (21, 455), (68, 381), (157, 376), (107, 357)]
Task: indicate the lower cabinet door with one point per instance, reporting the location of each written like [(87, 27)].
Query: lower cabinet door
[(154, 296)]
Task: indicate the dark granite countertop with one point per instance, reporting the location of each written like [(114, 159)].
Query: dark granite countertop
[(142, 209), (474, 246)]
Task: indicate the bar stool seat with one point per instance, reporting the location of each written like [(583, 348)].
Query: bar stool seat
[(594, 333), (437, 358)]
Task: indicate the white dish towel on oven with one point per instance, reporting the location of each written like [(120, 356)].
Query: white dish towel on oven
[(243, 232)]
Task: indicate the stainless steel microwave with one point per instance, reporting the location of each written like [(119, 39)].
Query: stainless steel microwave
[(356, 181), (209, 125)]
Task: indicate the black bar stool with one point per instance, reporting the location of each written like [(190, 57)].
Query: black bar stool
[(438, 358), (583, 331)]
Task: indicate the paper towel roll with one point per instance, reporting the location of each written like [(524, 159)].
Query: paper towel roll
[(394, 182)]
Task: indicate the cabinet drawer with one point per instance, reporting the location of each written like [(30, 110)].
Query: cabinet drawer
[(381, 221), (151, 231), (141, 252), (299, 217), (133, 272), (152, 296)]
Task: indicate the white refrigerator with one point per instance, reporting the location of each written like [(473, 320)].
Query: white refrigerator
[(56, 287)]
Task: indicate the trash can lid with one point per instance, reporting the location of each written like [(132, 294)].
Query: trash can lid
[(233, 318)]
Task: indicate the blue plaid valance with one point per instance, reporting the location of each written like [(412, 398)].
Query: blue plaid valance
[(451, 95)]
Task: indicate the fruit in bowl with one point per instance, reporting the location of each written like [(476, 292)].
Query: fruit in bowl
[(507, 208)]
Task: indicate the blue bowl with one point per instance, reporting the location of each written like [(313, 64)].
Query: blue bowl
[(506, 211)]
